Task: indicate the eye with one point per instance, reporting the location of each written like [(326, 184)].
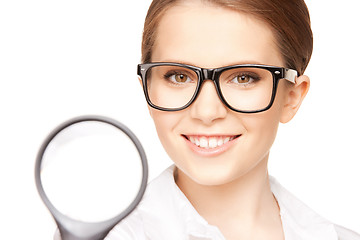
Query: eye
[(176, 77), (179, 78), (245, 79)]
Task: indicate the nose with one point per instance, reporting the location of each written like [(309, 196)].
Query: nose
[(208, 106)]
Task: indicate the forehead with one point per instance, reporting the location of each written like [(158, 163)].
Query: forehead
[(207, 35)]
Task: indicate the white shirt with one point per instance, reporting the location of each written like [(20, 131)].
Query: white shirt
[(166, 214)]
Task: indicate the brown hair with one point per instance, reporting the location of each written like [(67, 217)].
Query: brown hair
[(289, 20)]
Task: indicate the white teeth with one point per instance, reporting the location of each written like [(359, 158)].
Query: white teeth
[(197, 142), (220, 142), (209, 142), (204, 143), (212, 142)]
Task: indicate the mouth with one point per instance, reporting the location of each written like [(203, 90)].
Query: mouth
[(210, 142)]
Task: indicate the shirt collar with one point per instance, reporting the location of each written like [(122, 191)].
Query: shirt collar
[(299, 221), (195, 226)]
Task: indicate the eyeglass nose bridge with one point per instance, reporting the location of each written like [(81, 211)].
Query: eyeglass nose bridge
[(208, 74)]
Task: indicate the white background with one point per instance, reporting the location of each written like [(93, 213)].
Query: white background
[(60, 59)]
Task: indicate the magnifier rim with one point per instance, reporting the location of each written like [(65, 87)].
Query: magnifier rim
[(64, 222)]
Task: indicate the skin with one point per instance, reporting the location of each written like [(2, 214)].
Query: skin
[(230, 190)]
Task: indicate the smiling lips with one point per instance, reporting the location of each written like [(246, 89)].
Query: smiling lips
[(210, 145), (210, 142)]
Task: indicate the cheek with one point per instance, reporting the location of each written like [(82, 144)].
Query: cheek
[(166, 123), (261, 129)]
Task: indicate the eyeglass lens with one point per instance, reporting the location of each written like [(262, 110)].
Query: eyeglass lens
[(243, 88)]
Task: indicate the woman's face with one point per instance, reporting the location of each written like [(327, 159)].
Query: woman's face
[(208, 36)]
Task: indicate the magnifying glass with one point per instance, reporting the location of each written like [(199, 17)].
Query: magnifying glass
[(91, 172)]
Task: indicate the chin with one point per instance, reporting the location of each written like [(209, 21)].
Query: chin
[(213, 175), (216, 173)]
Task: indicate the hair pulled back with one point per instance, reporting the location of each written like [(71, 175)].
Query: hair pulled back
[(288, 19)]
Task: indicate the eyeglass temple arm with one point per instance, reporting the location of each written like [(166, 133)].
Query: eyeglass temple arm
[(290, 75)]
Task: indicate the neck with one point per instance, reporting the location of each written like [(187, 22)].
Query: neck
[(246, 201)]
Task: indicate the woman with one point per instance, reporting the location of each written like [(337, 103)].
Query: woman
[(219, 76)]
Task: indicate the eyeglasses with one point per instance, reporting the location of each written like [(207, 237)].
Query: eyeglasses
[(245, 88)]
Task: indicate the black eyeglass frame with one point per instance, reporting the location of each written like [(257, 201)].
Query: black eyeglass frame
[(213, 74)]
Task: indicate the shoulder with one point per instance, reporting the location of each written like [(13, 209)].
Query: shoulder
[(301, 222), (157, 208), (131, 228), (346, 234)]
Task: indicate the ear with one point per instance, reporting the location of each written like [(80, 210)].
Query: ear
[(295, 94)]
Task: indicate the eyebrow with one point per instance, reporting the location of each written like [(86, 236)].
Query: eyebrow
[(224, 65)]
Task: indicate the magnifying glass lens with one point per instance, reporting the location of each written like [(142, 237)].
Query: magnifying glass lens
[(91, 172)]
